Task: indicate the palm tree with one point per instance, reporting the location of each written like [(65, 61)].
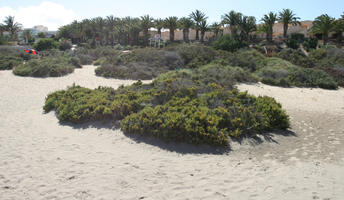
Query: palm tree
[(27, 36), (186, 24), (146, 24), (111, 23), (216, 28), (247, 25), (232, 19), (269, 21), (159, 24), (171, 23), (203, 28), (323, 25), (98, 25), (288, 17), (198, 16), (2, 29), (12, 27), (132, 28)]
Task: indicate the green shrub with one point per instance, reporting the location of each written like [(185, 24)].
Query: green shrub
[(318, 54), (65, 45), (292, 43), (194, 56), (79, 104), (198, 106), (211, 119), (310, 43), (46, 44), (248, 59), (99, 61), (9, 62), (299, 37), (282, 73), (297, 57), (228, 43), (75, 62), (143, 64), (45, 67)]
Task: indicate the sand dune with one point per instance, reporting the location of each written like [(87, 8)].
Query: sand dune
[(43, 159)]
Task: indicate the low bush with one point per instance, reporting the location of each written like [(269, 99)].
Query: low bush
[(310, 43), (199, 106), (12, 56), (143, 64), (9, 62), (45, 67), (87, 56), (298, 37), (292, 43), (46, 44), (282, 73), (193, 55), (99, 61), (247, 59), (297, 57), (228, 43), (65, 45)]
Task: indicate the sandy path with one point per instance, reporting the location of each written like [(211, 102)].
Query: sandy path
[(41, 159)]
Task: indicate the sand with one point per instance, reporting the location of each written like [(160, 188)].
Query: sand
[(43, 159)]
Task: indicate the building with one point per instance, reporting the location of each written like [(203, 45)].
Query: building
[(304, 28)]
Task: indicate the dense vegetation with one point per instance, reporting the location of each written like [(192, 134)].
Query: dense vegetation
[(11, 57), (199, 106), (329, 60), (282, 73), (143, 64), (49, 66)]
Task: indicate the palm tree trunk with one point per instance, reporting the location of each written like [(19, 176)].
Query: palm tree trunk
[(197, 34), (187, 35), (171, 35), (159, 31), (202, 36), (184, 35), (145, 33), (285, 30), (270, 34), (325, 38)]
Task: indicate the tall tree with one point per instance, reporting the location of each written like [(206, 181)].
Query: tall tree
[(185, 24), (269, 21), (98, 25), (216, 28), (2, 29), (232, 19), (146, 24), (27, 36), (171, 23), (288, 17), (323, 25), (111, 23), (198, 16), (203, 28), (247, 25), (12, 27), (339, 28), (159, 24)]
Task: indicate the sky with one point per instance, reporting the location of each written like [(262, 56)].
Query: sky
[(55, 13)]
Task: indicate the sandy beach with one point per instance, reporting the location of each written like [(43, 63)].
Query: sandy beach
[(43, 159)]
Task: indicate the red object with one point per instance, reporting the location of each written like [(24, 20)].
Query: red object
[(34, 52)]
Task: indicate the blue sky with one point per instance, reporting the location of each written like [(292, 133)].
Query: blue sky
[(54, 13)]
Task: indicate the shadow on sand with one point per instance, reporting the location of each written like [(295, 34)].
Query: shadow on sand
[(184, 148)]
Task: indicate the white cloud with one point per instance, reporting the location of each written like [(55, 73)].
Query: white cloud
[(48, 14)]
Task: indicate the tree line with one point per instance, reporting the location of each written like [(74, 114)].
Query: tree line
[(113, 30)]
